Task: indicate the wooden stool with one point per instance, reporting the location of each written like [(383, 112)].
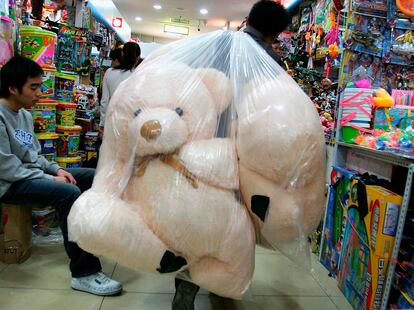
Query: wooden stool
[(15, 233)]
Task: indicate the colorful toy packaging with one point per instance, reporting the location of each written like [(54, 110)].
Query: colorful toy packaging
[(48, 85), (44, 115), (85, 97), (368, 243), (91, 141), (68, 141), (73, 50), (335, 219), (382, 119), (6, 39), (69, 162), (396, 115), (48, 144), (64, 86), (65, 114), (358, 66), (38, 45)]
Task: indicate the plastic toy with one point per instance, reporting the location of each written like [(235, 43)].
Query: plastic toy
[(363, 84), (6, 40), (382, 99), (406, 6)]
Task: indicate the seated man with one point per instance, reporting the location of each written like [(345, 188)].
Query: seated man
[(27, 177)]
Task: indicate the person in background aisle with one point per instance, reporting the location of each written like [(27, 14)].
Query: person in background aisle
[(131, 58), (266, 20), (116, 56), (27, 177)]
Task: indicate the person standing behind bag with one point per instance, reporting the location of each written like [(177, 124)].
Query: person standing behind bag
[(266, 20), (131, 58)]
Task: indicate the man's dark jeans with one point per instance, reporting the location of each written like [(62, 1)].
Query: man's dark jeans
[(61, 196)]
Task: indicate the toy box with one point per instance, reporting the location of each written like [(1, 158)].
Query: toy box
[(15, 233), (368, 243), (334, 220), (397, 115), (382, 119)]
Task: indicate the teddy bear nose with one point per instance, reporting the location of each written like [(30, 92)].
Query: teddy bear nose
[(151, 130)]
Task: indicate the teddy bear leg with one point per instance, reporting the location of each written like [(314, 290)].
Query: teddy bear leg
[(108, 226), (219, 278)]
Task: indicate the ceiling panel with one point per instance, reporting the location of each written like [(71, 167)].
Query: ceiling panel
[(152, 24)]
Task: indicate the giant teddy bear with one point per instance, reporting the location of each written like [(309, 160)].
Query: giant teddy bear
[(164, 196), (281, 151)]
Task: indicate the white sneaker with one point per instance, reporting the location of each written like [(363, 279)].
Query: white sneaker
[(98, 284)]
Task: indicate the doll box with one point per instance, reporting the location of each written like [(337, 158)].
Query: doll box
[(368, 243)]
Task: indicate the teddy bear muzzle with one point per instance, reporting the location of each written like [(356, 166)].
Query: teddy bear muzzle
[(151, 130)]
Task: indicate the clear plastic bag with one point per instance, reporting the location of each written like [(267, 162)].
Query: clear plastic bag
[(45, 227), (208, 147)]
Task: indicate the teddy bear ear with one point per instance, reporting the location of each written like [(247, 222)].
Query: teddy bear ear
[(219, 86)]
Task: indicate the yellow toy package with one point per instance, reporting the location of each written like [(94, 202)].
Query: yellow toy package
[(368, 243)]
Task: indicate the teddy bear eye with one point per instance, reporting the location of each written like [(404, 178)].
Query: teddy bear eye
[(136, 113), (179, 111)]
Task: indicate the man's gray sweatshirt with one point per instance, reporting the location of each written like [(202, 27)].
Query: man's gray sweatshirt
[(19, 150)]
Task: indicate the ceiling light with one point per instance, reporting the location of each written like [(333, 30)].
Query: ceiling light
[(157, 7), (138, 18), (176, 29), (204, 11)]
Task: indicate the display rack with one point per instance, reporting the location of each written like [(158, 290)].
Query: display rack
[(342, 151), (400, 228)]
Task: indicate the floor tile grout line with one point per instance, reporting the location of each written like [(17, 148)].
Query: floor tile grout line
[(4, 269), (321, 287), (39, 289), (102, 301)]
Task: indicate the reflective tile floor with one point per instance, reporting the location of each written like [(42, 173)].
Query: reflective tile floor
[(43, 283)]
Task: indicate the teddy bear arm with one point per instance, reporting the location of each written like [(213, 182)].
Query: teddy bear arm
[(213, 161), (106, 225)]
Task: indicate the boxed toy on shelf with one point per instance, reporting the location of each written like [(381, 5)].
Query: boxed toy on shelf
[(368, 243), (73, 50), (335, 218)]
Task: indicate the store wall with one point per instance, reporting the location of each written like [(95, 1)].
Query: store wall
[(152, 39), (148, 48)]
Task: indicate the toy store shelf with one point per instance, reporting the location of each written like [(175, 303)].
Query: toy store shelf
[(392, 158)]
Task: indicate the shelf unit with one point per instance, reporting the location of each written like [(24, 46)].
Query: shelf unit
[(342, 151)]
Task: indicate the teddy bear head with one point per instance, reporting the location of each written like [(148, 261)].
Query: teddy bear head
[(162, 107)]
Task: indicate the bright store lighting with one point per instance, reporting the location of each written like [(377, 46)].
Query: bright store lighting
[(138, 18), (176, 29), (204, 11), (157, 7)]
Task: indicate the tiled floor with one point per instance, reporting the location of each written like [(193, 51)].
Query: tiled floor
[(42, 283)]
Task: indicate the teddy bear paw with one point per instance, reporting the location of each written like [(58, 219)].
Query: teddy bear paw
[(260, 206), (171, 263)]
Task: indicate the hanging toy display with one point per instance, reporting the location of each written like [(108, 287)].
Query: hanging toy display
[(339, 4), (73, 50), (404, 45), (6, 39), (406, 6), (332, 40)]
